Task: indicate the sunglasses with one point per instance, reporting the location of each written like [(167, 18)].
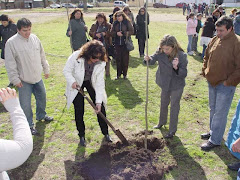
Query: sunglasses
[(96, 57), (118, 15)]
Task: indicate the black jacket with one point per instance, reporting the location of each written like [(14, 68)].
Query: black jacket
[(5, 34), (140, 23), (208, 29)]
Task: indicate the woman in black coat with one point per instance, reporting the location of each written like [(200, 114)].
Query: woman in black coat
[(7, 30), (141, 31)]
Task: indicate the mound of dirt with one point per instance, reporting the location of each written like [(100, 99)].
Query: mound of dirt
[(120, 162)]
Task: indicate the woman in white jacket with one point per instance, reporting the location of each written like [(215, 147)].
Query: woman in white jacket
[(85, 69), (14, 152)]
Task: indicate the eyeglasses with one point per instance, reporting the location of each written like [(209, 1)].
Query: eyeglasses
[(118, 15), (96, 57)]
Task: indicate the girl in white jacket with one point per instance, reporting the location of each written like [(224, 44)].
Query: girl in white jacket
[(85, 69)]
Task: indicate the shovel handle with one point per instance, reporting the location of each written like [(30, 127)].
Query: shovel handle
[(94, 107)]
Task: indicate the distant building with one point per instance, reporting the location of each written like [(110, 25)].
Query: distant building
[(22, 4)]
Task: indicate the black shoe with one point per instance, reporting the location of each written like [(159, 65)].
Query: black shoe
[(34, 131), (157, 127), (208, 146), (170, 135), (205, 136), (125, 77), (234, 166), (82, 141), (108, 138), (48, 118)]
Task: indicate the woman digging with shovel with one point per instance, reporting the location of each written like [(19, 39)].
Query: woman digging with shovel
[(85, 68)]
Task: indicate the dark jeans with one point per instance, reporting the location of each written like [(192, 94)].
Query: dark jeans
[(141, 46), (194, 43), (122, 59), (79, 110)]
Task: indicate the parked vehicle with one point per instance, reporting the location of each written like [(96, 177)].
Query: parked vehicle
[(160, 5), (180, 5), (120, 4), (55, 6), (69, 5), (88, 6)]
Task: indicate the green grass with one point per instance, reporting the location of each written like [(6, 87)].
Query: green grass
[(57, 149)]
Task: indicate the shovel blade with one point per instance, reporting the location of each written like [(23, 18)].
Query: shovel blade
[(121, 137)]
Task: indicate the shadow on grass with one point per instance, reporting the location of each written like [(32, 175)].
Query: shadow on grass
[(225, 155), (71, 167), (125, 92), (28, 169), (187, 167), (134, 62), (198, 58)]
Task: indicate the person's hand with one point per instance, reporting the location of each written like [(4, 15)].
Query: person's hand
[(224, 83), (6, 94), (175, 63), (147, 58), (69, 33), (119, 33), (236, 146), (98, 35), (98, 106), (19, 85), (86, 28), (75, 85), (46, 76)]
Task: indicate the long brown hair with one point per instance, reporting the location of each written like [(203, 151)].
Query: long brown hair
[(169, 40), (72, 16), (93, 48), (120, 13), (102, 15)]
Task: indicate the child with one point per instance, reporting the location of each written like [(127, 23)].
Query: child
[(191, 31), (195, 37), (170, 76)]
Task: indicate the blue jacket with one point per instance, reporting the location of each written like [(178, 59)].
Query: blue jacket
[(236, 25)]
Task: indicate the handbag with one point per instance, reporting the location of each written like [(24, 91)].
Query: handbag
[(129, 43)]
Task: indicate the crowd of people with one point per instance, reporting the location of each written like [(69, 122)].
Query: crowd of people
[(194, 24), (89, 63)]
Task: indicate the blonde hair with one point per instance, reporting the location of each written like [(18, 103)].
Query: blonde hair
[(169, 40)]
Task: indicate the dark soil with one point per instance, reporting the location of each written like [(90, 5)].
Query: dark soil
[(120, 162), (189, 97)]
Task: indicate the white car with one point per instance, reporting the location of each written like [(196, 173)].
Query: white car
[(54, 6), (120, 4)]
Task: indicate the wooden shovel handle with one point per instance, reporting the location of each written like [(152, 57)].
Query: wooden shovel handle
[(94, 107)]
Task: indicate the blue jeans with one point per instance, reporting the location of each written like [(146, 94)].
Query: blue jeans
[(203, 50), (25, 94), (189, 47), (220, 99), (238, 174)]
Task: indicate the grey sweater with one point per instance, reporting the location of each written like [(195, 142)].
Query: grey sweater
[(166, 77), (78, 33)]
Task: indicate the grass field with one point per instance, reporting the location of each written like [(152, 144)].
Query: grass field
[(57, 150)]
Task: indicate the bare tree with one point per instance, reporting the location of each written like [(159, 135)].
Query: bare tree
[(85, 5)]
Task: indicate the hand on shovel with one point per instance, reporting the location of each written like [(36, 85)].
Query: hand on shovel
[(98, 106)]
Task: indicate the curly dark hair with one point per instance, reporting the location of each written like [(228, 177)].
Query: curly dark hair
[(93, 49), (72, 16)]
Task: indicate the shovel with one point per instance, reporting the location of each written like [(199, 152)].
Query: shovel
[(116, 131)]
